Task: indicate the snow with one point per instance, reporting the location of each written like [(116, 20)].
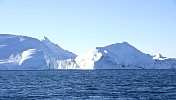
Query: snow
[(105, 51), (114, 56), (57, 50), (125, 53), (86, 61), (118, 56), (10, 60), (33, 59), (27, 53)]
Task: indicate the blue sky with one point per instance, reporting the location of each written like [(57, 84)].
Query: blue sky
[(79, 25)]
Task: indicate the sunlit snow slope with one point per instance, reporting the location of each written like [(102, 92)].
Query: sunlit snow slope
[(118, 56), (26, 53)]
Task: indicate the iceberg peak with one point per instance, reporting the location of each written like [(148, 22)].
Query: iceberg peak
[(124, 42), (46, 39)]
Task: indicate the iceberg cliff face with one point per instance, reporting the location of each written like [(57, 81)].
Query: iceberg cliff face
[(54, 54), (26, 53), (119, 56), (32, 59), (115, 56), (60, 53)]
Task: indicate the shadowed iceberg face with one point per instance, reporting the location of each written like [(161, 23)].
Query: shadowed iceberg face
[(21, 52), (119, 56), (26, 53), (32, 59)]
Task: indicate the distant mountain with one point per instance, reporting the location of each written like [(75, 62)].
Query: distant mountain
[(117, 56), (26, 53)]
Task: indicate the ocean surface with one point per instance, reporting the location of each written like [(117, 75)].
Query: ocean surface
[(88, 85)]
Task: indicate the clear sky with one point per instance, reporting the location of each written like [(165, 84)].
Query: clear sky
[(79, 25)]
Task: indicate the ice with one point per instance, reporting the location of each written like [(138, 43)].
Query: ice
[(120, 56), (27, 53), (23, 52)]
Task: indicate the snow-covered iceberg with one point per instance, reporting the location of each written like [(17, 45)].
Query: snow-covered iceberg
[(26, 53), (118, 56)]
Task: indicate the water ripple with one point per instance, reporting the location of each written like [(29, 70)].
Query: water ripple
[(88, 85)]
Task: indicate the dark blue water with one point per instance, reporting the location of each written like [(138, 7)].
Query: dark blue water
[(88, 85)]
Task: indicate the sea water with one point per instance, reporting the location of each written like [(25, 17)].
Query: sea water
[(88, 85)]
